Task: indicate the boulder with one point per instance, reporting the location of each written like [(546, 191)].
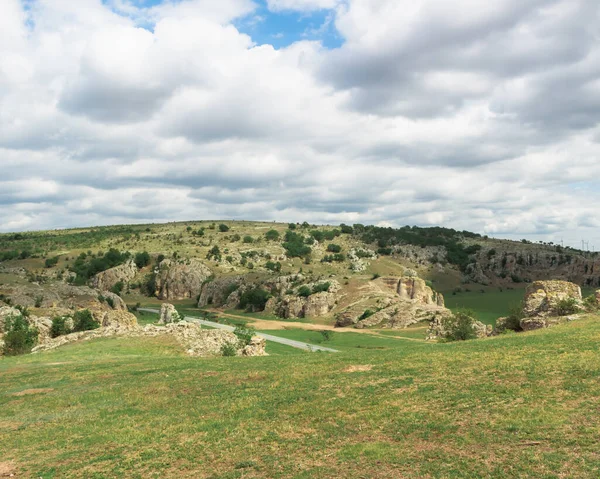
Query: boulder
[(168, 314), (402, 314), (346, 319), (181, 279), (438, 329), (217, 292), (416, 289), (319, 304), (125, 272), (115, 301), (43, 325), (121, 320), (542, 298)]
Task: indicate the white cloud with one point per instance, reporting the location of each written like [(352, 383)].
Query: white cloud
[(477, 118)]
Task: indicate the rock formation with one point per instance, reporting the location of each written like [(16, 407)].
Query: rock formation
[(542, 298), (168, 314), (105, 280), (180, 279), (195, 340)]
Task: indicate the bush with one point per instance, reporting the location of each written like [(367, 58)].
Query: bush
[(459, 327), (272, 235), (50, 262), (294, 245), (321, 288), (367, 314), (214, 253), (292, 226), (513, 320), (384, 251), (347, 230), (244, 335), (117, 288), (19, 336), (248, 239), (327, 334), (275, 267), (142, 259), (84, 321), (591, 302), (59, 327), (567, 306), (375, 276), (254, 299), (304, 291), (334, 248), (229, 350), (223, 228)]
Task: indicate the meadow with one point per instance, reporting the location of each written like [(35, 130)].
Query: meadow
[(520, 405)]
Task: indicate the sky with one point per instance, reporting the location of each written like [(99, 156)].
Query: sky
[(467, 114)]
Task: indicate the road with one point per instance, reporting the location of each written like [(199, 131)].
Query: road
[(268, 337)]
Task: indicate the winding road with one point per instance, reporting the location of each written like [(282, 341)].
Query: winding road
[(268, 337)]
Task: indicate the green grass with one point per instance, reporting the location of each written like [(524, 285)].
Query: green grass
[(488, 306), (506, 407)]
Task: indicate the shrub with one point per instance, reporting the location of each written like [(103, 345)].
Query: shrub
[(272, 235), (275, 267), (214, 253), (38, 301), (228, 350), (84, 321), (294, 245), (223, 228), (347, 230), (513, 320), (117, 287), (367, 314), (142, 259), (244, 335), (254, 299), (459, 327), (334, 248), (59, 327), (50, 262), (292, 226), (384, 251), (321, 288), (375, 276), (304, 291), (591, 302), (248, 239), (19, 336), (235, 238), (567, 306), (327, 334), (250, 266)]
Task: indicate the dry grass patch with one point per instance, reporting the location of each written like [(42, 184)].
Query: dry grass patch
[(31, 392), (356, 368), (8, 469)]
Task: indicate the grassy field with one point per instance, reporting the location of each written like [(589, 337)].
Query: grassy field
[(488, 306), (507, 407)]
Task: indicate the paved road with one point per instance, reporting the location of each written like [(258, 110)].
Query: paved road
[(268, 337)]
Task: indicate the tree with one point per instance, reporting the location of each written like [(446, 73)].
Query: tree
[(20, 337), (334, 248), (223, 228), (254, 299), (142, 259), (84, 321), (272, 235)]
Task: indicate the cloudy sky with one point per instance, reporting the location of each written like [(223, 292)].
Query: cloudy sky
[(469, 114)]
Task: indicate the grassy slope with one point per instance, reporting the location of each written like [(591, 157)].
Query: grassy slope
[(513, 406)]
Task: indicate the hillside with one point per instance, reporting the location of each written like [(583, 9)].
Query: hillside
[(452, 262)]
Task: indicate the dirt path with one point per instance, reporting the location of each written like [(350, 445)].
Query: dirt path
[(274, 325)]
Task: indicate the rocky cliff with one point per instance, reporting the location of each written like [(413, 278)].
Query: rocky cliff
[(180, 279)]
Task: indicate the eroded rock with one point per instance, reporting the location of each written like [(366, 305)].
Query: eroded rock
[(180, 279)]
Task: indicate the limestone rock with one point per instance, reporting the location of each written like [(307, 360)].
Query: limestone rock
[(125, 272), (438, 329), (180, 280), (317, 305), (119, 320), (217, 293), (543, 297), (43, 325), (346, 319), (168, 314), (116, 302)]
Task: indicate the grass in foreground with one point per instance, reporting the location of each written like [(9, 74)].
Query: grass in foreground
[(507, 407)]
